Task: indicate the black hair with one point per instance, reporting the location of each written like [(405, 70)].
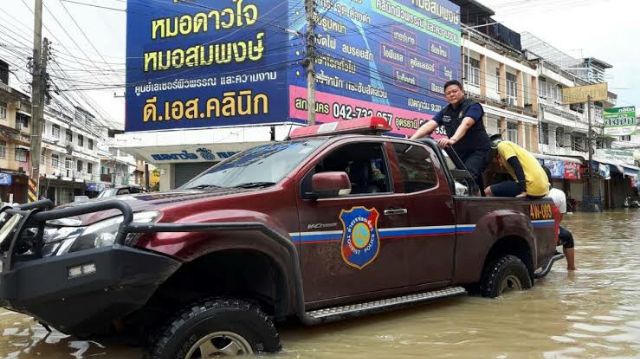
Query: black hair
[(547, 171), (451, 83)]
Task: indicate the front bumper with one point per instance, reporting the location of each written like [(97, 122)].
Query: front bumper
[(124, 280)]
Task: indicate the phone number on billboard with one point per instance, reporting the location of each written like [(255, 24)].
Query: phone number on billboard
[(347, 112)]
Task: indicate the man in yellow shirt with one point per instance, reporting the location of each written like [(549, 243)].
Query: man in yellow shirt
[(529, 177)]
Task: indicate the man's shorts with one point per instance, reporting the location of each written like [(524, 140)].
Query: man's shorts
[(565, 238), (506, 189)]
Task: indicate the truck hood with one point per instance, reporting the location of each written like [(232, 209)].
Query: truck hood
[(157, 201)]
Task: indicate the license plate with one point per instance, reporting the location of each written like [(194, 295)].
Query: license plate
[(8, 227)]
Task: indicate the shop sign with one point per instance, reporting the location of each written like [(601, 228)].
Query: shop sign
[(581, 94), (604, 171), (571, 171), (620, 121), (200, 154), (5, 179), (624, 156), (556, 168)]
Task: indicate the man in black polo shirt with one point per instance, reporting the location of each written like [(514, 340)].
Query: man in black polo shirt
[(462, 120)]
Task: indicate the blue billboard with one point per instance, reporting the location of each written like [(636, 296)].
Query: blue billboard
[(209, 63), (387, 58), (205, 63)]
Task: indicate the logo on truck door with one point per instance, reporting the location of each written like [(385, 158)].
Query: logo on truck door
[(360, 239)]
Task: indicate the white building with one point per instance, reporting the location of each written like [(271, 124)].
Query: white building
[(70, 163), (564, 129), (497, 74), (116, 167)]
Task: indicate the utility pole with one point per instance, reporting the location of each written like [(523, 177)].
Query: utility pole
[(146, 176), (590, 204), (310, 8), (38, 87)]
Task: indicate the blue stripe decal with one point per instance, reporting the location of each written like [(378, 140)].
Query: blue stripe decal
[(543, 223), (385, 233), (401, 232)]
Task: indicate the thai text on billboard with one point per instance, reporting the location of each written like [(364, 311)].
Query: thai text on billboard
[(382, 58), (205, 63), (209, 63)]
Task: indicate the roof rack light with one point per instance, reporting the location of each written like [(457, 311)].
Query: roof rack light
[(362, 126)]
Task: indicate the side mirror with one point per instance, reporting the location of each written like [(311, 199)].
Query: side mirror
[(330, 184)]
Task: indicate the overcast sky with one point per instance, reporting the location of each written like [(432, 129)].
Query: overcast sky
[(605, 29), (92, 61)]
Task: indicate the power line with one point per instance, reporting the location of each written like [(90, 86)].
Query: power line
[(95, 6)]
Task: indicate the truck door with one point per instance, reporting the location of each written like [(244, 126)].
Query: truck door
[(430, 240), (344, 250)]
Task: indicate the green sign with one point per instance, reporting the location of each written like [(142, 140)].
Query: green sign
[(620, 121)]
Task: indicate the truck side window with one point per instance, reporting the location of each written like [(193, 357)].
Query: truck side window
[(416, 167), (365, 164)]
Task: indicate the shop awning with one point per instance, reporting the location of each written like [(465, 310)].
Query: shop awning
[(631, 171), (614, 165)]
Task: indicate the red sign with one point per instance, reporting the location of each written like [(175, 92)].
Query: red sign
[(571, 171)]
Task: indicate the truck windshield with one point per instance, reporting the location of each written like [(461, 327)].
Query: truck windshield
[(257, 167)]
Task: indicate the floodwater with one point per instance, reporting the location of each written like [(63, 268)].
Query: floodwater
[(591, 313)]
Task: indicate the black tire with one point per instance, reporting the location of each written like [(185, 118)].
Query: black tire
[(505, 273), (240, 319)]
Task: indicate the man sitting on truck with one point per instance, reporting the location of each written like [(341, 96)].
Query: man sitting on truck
[(529, 179)]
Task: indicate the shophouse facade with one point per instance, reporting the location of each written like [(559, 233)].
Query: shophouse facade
[(15, 139), (70, 164)]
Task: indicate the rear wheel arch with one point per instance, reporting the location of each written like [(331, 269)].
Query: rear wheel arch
[(511, 245)]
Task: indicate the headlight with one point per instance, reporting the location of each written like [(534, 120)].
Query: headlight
[(64, 240)]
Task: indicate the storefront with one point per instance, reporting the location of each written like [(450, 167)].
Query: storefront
[(61, 190), (13, 187), (618, 181), (566, 174)]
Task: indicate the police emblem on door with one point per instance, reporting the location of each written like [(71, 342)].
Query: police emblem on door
[(360, 239)]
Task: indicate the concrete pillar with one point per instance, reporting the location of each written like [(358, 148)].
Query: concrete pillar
[(167, 176), (503, 81), (483, 76), (521, 139), (534, 94), (502, 127), (520, 86), (535, 141)]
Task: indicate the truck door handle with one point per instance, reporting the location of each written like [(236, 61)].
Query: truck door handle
[(395, 211)]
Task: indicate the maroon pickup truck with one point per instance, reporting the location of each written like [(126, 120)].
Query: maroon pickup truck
[(326, 226)]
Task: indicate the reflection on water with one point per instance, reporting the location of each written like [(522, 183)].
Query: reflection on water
[(594, 312)]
